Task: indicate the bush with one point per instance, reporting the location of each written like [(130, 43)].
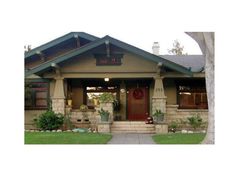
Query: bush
[(49, 121), (195, 121), (173, 126)]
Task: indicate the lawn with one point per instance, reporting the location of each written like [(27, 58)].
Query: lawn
[(179, 138), (65, 138)]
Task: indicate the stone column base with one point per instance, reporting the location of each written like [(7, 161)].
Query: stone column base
[(58, 105), (161, 128), (104, 127), (158, 104)]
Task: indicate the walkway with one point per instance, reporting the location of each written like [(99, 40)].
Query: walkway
[(131, 138)]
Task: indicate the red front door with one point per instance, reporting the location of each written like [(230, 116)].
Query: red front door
[(137, 103)]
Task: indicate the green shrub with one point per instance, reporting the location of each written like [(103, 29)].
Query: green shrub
[(173, 126), (67, 122), (49, 121), (195, 121), (83, 107)]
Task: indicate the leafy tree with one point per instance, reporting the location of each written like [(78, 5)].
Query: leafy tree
[(177, 49)]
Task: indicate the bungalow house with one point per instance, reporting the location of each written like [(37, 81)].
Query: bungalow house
[(80, 66)]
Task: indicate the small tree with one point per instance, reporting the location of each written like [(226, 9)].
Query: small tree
[(177, 49)]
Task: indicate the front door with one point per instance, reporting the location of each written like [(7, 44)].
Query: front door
[(137, 103)]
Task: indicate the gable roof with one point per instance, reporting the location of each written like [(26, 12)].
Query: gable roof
[(195, 62), (60, 40), (120, 44)]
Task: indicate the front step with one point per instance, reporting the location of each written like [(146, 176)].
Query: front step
[(132, 127)]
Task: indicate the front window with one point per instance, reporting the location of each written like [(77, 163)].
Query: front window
[(192, 95), (36, 95), (93, 93)]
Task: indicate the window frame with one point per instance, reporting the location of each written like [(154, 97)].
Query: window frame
[(101, 91), (196, 87), (35, 90)]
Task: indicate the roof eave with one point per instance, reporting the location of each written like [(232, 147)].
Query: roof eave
[(66, 56), (58, 41)]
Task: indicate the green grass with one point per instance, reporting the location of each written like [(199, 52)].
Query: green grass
[(65, 138), (179, 138)]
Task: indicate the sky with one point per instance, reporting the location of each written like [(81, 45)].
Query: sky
[(139, 24), (144, 42)]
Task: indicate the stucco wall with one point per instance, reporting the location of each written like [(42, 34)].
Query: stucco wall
[(30, 115), (151, 89), (122, 111), (130, 63), (77, 97), (170, 91)]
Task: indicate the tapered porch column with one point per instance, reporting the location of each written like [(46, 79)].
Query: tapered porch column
[(159, 98), (58, 99)]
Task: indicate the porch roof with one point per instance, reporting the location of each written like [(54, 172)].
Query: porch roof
[(58, 41), (97, 42)]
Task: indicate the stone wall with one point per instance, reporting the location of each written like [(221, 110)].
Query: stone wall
[(58, 105), (158, 104), (84, 119), (180, 115)]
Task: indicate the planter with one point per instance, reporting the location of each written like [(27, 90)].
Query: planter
[(104, 118), (158, 119), (69, 102)]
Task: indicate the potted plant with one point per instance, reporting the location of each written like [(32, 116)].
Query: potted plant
[(69, 99), (104, 115), (83, 107), (106, 98), (158, 116)]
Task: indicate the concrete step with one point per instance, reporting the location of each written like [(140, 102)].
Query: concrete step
[(132, 127), (132, 131), (129, 122)]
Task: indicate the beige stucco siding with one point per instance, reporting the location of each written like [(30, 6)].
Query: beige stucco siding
[(30, 115), (170, 91), (130, 63), (77, 97)]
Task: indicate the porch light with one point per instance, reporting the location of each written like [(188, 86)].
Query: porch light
[(106, 79)]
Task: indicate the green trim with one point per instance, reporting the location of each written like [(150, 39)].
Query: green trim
[(58, 41), (37, 80), (66, 56), (115, 42)]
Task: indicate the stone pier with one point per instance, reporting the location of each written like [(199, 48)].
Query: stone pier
[(58, 99)]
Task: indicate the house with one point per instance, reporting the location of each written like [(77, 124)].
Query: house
[(82, 66)]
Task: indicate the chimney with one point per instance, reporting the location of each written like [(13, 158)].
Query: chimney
[(156, 48)]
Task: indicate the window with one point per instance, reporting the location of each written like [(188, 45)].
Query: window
[(103, 59), (192, 95), (92, 94), (36, 95)]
